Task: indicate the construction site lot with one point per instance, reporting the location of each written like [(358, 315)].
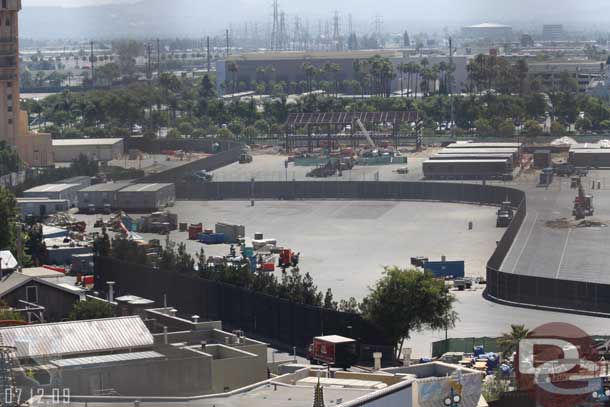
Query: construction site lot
[(344, 245), (268, 167), (552, 244)]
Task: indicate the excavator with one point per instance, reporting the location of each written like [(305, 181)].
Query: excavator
[(583, 204)]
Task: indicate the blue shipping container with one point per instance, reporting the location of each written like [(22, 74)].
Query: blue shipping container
[(212, 238), (447, 269)]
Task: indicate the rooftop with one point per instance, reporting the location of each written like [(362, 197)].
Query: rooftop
[(78, 337), (262, 56), (52, 188), (488, 25), (334, 339), (145, 187), (7, 260), (86, 142), (40, 200), (106, 187)]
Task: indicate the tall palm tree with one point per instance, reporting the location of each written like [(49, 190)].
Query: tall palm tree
[(509, 341), (233, 68), (416, 73), (402, 68), (522, 70), (310, 71)]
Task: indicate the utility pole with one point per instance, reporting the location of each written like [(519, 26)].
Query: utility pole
[(450, 86), (158, 59), (92, 66), (148, 62), (208, 51)]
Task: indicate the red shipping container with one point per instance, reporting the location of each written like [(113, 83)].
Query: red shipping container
[(269, 267)]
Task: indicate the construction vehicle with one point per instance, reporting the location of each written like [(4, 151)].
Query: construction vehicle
[(583, 204), (202, 176), (288, 259), (505, 215), (245, 158)]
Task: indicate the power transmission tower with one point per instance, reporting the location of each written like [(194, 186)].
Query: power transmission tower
[(283, 40), (296, 37), (350, 24), (92, 65), (158, 58), (148, 62), (276, 26), (336, 34), (450, 86), (209, 57)]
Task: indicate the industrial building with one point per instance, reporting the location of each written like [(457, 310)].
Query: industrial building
[(549, 73), (552, 32), (468, 169), (146, 197), (68, 192), (595, 158), (40, 207), (166, 356), (488, 31), (288, 66), (83, 181), (100, 197), (104, 149)]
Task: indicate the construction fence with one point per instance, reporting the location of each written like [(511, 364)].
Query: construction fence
[(280, 322), (465, 345)]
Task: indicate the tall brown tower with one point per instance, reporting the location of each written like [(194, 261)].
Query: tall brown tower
[(9, 70)]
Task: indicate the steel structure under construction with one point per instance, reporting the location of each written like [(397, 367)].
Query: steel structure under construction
[(333, 127)]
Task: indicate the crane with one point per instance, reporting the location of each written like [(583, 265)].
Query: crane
[(369, 139)]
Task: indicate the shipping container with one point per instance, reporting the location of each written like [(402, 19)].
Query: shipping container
[(445, 269), (231, 232), (467, 169)]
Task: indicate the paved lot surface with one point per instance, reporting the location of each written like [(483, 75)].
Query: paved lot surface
[(345, 244), (271, 168), (563, 251)]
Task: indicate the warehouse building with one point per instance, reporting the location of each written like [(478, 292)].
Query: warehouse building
[(488, 31), (104, 149), (596, 158), (38, 208), (101, 197), (127, 356), (146, 197), (83, 181), (467, 169), (68, 192)]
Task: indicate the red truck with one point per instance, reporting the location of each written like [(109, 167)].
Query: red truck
[(333, 350)]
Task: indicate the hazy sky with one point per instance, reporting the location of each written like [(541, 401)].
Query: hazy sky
[(70, 3)]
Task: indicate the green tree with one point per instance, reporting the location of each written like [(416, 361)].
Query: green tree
[(91, 309), (8, 218), (509, 341), (185, 128), (507, 128), (584, 124), (557, 129), (407, 300), (350, 306), (329, 302), (532, 128)]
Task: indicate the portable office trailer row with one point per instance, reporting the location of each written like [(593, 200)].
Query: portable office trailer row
[(482, 151), (146, 197), (101, 197), (68, 192), (486, 145), (596, 158), (38, 208), (474, 157), (467, 169)]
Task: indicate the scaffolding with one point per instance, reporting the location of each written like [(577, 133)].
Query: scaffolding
[(335, 127)]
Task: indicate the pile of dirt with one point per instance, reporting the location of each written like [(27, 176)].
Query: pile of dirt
[(565, 223)]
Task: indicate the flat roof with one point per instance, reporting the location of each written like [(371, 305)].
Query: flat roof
[(591, 151), (86, 142), (97, 360), (485, 145), (106, 187), (52, 188), (145, 187), (464, 161), (40, 201), (488, 25), (321, 55), (78, 337), (478, 150)]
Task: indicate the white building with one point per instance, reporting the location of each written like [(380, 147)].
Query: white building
[(104, 149), (488, 31)]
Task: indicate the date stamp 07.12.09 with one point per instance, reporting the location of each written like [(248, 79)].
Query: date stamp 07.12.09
[(55, 396)]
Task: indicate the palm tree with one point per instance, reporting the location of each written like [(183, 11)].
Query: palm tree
[(522, 70), (509, 342), (310, 71), (402, 68), (417, 73), (233, 68)]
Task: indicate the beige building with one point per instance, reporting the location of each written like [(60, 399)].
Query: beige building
[(34, 149)]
